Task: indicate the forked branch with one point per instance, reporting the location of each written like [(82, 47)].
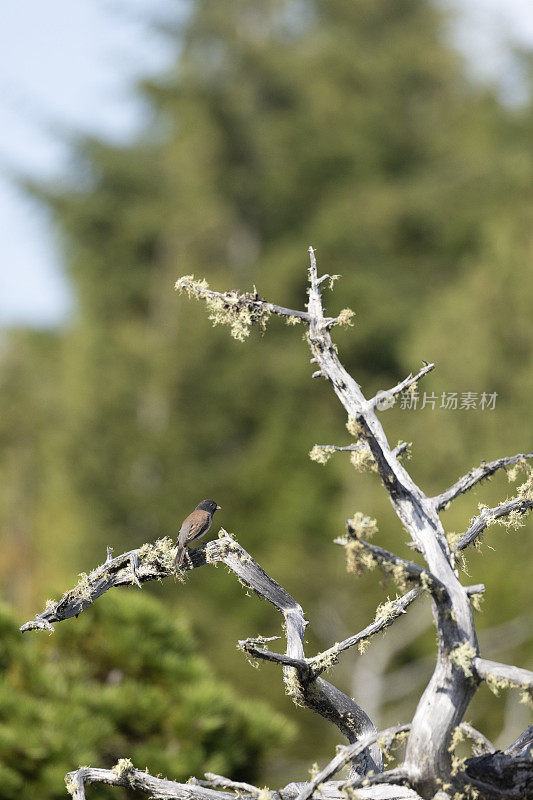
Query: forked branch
[(156, 561), (475, 476), (514, 509)]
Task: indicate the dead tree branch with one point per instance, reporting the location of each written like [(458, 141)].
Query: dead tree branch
[(382, 398), (459, 668), (156, 561), (517, 506), (475, 476), (346, 754)]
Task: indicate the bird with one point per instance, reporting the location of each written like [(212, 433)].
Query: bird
[(194, 527)]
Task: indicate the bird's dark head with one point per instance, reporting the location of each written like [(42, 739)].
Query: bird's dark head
[(208, 505)]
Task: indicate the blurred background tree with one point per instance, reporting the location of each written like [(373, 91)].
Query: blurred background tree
[(282, 123), (100, 690)]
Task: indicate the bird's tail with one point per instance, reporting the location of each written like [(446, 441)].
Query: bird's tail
[(179, 557)]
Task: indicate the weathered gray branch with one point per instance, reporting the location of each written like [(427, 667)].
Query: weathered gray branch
[(315, 666), (346, 754), (383, 396), (481, 743), (354, 448), (503, 674), (518, 505), (125, 774), (149, 563), (523, 745), (156, 561), (485, 470), (212, 779), (407, 570), (250, 301)]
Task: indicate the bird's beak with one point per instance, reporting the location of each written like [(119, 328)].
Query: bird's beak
[(218, 508)]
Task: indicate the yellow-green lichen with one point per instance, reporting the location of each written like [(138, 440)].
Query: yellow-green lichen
[(358, 558), (293, 686), (345, 317), (362, 459), (122, 767), (462, 656), (354, 427), (477, 600), (83, 587), (361, 525), (238, 311), (326, 660), (162, 552), (388, 609), (514, 471), (398, 573), (387, 744), (321, 453), (405, 453), (526, 697), (526, 489)]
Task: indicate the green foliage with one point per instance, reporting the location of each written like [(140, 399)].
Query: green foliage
[(124, 680)]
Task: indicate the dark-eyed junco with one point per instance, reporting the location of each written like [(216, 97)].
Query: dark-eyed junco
[(194, 527)]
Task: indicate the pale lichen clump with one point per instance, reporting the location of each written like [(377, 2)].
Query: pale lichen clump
[(477, 600), (387, 744), (192, 287), (405, 453), (496, 684), (321, 453), (345, 318), (326, 660), (516, 469), (362, 459), (358, 557), (452, 537), (221, 547), (292, 320), (526, 489), (354, 427), (526, 697), (363, 645), (83, 587), (362, 525), (122, 767), (162, 552), (293, 685), (462, 656), (387, 610), (264, 794), (238, 311), (398, 573), (458, 735)]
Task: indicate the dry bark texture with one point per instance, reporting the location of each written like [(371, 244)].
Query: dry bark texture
[(430, 769)]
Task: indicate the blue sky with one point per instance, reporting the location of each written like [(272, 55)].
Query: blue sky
[(68, 65)]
